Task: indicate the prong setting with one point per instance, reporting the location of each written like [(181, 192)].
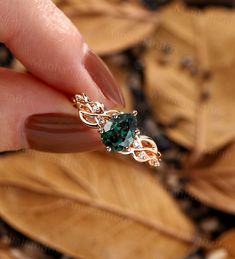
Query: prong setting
[(100, 131), (135, 113)]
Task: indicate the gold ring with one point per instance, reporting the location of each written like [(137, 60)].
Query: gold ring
[(118, 130)]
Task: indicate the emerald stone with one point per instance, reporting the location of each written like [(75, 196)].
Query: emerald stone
[(119, 132)]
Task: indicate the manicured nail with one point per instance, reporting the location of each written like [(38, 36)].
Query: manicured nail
[(60, 133), (103, 78)]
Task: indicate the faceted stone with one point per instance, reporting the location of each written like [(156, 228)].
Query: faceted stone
[(136, 144), (142, 155), (119, 133), (101, 120), (95, 108)]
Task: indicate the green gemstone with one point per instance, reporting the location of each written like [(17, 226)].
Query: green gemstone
[(118, 133)]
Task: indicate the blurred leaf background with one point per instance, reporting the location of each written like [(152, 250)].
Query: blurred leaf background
[(175, 62)]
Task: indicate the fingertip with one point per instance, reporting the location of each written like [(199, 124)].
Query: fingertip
[(103, 78), (52, 49)]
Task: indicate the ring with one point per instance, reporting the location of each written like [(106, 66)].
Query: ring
[(118, 130)]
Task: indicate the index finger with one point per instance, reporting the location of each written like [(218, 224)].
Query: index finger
[(48, 44)]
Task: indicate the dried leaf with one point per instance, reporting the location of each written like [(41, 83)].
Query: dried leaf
[(224, 246), (110, 26), (92, 206), (213, 180), (226, 241), (5, 254), (218, 254), (196, 111)]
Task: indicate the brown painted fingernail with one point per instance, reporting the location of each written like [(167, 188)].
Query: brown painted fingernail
[(60, 133), (102, 76)]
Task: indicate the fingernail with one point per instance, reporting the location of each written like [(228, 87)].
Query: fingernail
[(60, 133), (103, 78)]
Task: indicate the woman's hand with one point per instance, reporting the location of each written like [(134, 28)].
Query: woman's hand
[(35, 111)]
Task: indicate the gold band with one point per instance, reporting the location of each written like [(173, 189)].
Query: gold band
[(94, 114)]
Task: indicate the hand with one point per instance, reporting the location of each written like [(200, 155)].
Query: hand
[(34, 107)]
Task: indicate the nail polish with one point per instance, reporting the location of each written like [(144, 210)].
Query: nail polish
[(103, 78), (60, 133)]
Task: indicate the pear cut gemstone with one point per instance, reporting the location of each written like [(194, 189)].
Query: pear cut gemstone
[(119, 133)]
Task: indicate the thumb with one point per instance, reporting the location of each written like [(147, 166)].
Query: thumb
[(51, 48)]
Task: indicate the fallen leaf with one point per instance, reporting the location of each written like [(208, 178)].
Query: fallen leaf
[(196, 111), (5, 254), (92, 205), (110, 26), (218, 254), (224, 246), (212, 180), (226, 241)]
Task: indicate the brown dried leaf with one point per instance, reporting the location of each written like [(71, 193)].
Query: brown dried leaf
[(224, 246), (110, 26), (213, 180), (219, 253), (226, 241), (173, 98), (92, 206), (5, 254), (197, 113)]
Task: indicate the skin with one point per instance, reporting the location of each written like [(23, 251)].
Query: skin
[(54, 53)]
